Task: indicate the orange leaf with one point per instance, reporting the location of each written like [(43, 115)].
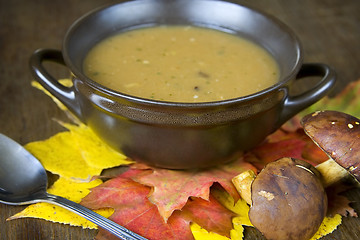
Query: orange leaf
[(134, 211), (313, 154), (282, 143), (210, 215), (172, 189), (271, 151)]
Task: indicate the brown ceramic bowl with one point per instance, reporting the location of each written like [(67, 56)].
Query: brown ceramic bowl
[(182, 135)]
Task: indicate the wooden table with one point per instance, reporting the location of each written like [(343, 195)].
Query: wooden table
[(328, 29)]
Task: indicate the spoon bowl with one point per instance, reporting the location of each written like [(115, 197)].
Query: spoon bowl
[(22, 177), (23, 180)]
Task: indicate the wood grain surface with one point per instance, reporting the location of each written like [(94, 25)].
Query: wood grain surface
[(328, 29)]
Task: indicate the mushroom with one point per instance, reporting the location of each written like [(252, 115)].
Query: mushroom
[(288, 200), (338, 135)]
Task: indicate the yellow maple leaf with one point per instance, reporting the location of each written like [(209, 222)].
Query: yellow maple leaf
[(78, 153), (327, 226), (96, 153), (70, 189), (241, 208), (58, 103), (60, 155), (200, 233), (90, 146), (65, 82)]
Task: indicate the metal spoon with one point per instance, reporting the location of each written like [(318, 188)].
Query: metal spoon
[(23, 180)]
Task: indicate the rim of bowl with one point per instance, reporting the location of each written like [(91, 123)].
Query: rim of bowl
[(160, 103)]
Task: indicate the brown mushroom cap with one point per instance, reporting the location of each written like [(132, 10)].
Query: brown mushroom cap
[(288, 200), (338, 135)]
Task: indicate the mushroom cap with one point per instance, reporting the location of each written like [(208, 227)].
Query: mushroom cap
[(288, 200), (338, 135)]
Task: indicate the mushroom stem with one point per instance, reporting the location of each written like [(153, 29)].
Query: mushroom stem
[(242, 183), (331, 172)]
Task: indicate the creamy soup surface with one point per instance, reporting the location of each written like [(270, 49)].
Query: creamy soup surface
[(181, 64)]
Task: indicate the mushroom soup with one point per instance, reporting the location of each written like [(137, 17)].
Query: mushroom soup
[(181, 64)]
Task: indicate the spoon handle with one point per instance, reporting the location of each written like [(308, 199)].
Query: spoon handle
[(99, 220)]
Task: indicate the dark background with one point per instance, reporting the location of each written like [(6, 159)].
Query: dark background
[(328, 29)]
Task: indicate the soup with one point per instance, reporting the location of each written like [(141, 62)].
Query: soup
[(181, 64)]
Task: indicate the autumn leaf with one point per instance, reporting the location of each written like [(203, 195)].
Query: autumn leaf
[(92, 148), (60, 156), (134, 211), (77, 153), (313, 154), (338, 203), (296, 145), (172, 188), (70, 189), (240, 207), (66, 82), (201, 233), (347, 101), (328, 225), (209, 214), (272, 151)]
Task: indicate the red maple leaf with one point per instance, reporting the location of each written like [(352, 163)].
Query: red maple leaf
[(283, 143), (209, 215), (134, 211), (172, 188)]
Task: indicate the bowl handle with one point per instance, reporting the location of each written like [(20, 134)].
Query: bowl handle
[(65, 94), (295, 104)]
